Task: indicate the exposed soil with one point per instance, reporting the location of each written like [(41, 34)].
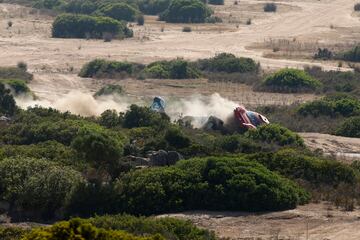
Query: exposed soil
[(309, 222)]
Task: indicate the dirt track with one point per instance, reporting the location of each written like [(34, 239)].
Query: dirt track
[(309, 222)]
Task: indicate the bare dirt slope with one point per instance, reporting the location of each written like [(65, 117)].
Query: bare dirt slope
[(343, 148), (309, 222)]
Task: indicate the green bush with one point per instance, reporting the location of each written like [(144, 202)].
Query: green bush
[(84, 26), (296, 164), (170, 228), (7, 73), (216, 2), (12, 233), (153, 7), (275, 133), (38, 187), (227, 62), (144, 117), (140, 20), (290, 80), (332, 105), (98, 145), (352, 55), (110, 89), (7, 102), (270, 7), (237, 144), (18, 86), (186, 11), (357, 7), (108, 69), (76, 229), (119, 11), (175, 69), (80, 6), (349, 128), (176, 138), (207, 183)]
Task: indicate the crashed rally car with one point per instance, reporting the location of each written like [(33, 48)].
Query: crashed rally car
[(249, 119)]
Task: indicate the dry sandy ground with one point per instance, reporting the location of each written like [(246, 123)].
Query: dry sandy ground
[(309, 222), (343, 148)]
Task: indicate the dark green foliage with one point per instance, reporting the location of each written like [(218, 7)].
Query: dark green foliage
[(81, 229), (144, 117), (84, 26), (18, 86), (170, 228), (176, 138), (350, 128), (37, 186), (336, 81), (274, 133), (12, 233), (357, 7), (186, 29), (332, 105), (175, 69), (80, 6), (324, 54), (216, 2), (110, 89), (290, 80), (237, 144), (109, 69), (7, 102), (298, 165), (352, 55), (98, 145), (50, 150), (119, 11), (153, 7), (111, 119), (227, 62), (208, 183), (186, 11), (7, 73), (270, 7), (140, 20)]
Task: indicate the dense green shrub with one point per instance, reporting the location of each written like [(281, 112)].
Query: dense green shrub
[(84, 26), (140, 20), (110, 89), (350, 128), (186, 11), (216, 2), (237, 144), (332, 105), (323, 53), (175, 69), (76, 229), (108, 69), (227, 62), (176, 138), (207, 183), (12, 233), (275, 133), (352, 55), (144, 117), (18, 86), (153, 7), (119, 11), (290, 80), (170, 228), (80, 6), (50, 150), (298, 165), (7, 102), (357, 7), (98, 145), (37, 187), (270, 7), (7, 73)]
